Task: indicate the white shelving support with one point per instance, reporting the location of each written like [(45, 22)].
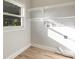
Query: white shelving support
[(68, 17)]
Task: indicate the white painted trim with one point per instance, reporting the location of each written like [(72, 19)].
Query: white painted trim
[(44, 47), (51, 6), (36, 18), (19, 52), (34, 9), (14, 30), (4, 13), (53, 49), (68, 17), (55, 17)]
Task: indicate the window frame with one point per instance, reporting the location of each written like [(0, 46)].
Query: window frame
[(14, 28)]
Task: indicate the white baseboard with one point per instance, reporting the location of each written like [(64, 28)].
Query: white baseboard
[(53, 49), (44, 47), (19, 52)]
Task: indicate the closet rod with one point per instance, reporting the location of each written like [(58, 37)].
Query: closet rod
[(63, 17)]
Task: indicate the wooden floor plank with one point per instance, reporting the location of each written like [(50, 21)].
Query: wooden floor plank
[(37, 53)]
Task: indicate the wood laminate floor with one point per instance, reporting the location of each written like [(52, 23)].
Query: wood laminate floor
[(37, 53)]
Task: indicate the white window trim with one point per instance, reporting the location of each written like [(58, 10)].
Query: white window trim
[(4, 13), (15, 28)]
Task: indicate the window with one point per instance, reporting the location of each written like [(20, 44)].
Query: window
[(12, 14), (11, 21)]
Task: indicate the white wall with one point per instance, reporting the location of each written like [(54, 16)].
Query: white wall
[(39, 34), (17, 39)]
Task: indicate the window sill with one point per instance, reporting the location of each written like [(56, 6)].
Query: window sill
[(13, 28)]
